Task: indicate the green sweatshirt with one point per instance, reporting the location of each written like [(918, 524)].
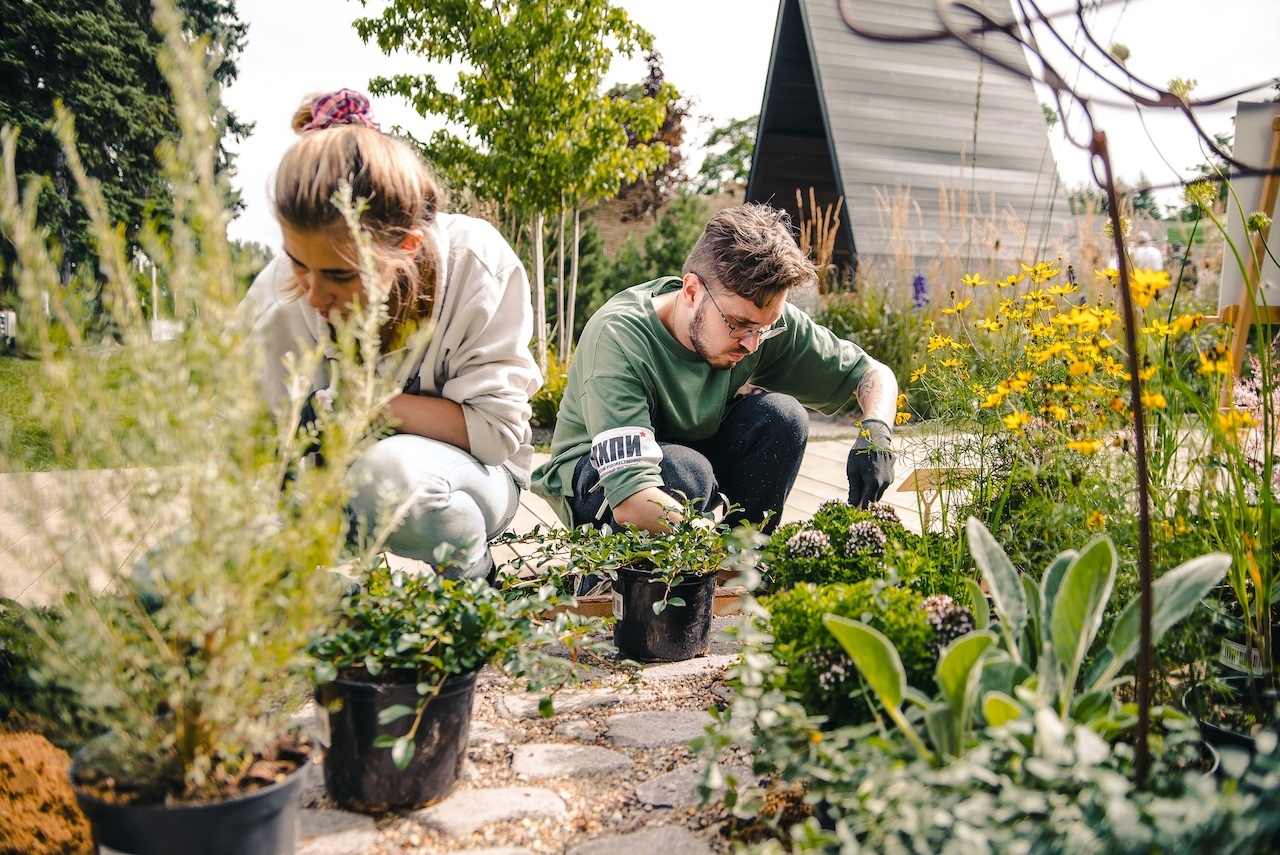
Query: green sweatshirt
[(631, 384)]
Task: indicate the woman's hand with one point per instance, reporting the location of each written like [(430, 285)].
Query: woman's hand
[(434, 418)]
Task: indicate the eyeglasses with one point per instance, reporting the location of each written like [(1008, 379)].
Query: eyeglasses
[(738, 332)]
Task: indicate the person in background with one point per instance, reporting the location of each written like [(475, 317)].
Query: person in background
[(651, 410), (1144, 256), (462, 449)]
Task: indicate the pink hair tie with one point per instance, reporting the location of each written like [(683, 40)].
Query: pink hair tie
[(344, 107)]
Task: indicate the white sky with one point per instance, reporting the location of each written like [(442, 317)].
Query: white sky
[(716, 52)]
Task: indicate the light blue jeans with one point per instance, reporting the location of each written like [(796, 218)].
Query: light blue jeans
[(441, 494)]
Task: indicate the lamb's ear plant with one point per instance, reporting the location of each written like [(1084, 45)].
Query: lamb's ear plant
[(1046, 631), (188, 670)]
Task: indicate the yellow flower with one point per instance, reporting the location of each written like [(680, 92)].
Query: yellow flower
[(1096, 521), (991, 324), (995, 399), (902, 418), (1154, 400), (1016, 421), (1059, 413), (1110, 274), (815, 737), (918, 373), (1085, 446), (936, 341), (974, 280), (1042, 272), (1210, 365), (952, 363), (1146, 285), (1186, 323), (1063, 290), (902, 400), (958, 307), (1011, 280), (1147, 373), (1232, 420), (1079, 369)]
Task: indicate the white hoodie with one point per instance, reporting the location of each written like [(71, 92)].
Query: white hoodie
[(478, 355)]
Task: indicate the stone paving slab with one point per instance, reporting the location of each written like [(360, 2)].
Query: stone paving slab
[(667, 840), (679, 788), (467, 810), (335, 832), (525, 706), (653, 729), (558, 761)]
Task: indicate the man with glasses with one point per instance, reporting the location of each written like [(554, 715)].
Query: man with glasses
[(651, 409)]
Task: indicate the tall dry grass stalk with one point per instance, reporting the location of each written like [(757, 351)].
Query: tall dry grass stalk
[(818, 231)]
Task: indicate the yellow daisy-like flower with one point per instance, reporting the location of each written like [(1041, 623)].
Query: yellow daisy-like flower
[(952, 363), (1146, 285), (1016, 421), (902, 400), (1063, 290), (974, 280), (991, 324), (1011, 279), (1147, 373), (1110, 274), (1186, 323), (1096, 521), (918, 373), (937, 341), (1043, 271), (902, 418), (995, 399), (1059, 413), (1232, 420), (1085, 446), (1154, 400), (1210, 365), (958, 307), (1079, 369)]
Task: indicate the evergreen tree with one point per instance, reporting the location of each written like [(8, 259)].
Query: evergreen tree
[(99, 60)]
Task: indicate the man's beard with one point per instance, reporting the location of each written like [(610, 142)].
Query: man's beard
[(720, 362)]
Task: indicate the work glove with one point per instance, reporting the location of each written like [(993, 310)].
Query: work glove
[(870, 466)]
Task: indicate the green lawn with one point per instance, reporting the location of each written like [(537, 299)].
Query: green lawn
[(21, 436)]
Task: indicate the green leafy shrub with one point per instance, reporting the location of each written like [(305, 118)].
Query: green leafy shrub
[(546, 401), (818, 672), (840, 543)]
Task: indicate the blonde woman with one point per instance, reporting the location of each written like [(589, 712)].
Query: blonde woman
[(462, 450)]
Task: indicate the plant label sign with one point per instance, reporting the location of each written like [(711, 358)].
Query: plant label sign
[(617, 604)]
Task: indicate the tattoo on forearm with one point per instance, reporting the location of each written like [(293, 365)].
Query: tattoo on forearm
[(878, 393)]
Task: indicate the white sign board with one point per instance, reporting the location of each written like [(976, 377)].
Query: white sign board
[(1252, 147), (8, 327)]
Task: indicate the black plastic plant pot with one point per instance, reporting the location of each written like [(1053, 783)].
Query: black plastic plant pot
[(264, 822), (1198, 702), (678, 633), (364, 778)]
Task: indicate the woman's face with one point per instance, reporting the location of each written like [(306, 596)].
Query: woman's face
[(324, 265)]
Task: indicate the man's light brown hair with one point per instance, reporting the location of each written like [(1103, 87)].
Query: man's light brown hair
[(751, 251)]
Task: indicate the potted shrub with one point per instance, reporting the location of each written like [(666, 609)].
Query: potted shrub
[(663, 584), (189, 671), (396, 679)]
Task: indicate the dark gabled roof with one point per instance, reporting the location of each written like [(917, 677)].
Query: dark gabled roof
[(880, 123)]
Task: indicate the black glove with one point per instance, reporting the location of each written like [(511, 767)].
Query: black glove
[(870, 466)]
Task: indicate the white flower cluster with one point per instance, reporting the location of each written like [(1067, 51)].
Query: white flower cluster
[(865, 537), (883, 512), (949, 619), (809, 543)]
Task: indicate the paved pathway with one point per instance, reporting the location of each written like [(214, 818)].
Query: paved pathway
[(38, 525)]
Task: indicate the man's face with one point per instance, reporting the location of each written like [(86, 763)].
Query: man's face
[(719, 321)]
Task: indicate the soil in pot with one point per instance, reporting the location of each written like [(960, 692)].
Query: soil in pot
[(37, 805), (362, 777), (678, 633), (261, 818), (1228, 716)]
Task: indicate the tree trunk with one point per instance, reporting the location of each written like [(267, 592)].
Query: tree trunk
[(573, 285), (561, 342), (539, 296)]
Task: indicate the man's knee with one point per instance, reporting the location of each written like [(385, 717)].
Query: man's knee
[(688, 473)]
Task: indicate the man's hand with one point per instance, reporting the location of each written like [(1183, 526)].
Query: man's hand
[(870, 466)]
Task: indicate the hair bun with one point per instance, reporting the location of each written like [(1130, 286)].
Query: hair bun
[(344, 107)]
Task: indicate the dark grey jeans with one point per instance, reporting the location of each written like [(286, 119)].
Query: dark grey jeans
[(753, 459)]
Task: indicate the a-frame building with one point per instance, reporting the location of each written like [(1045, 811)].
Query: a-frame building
[(889, 125)]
